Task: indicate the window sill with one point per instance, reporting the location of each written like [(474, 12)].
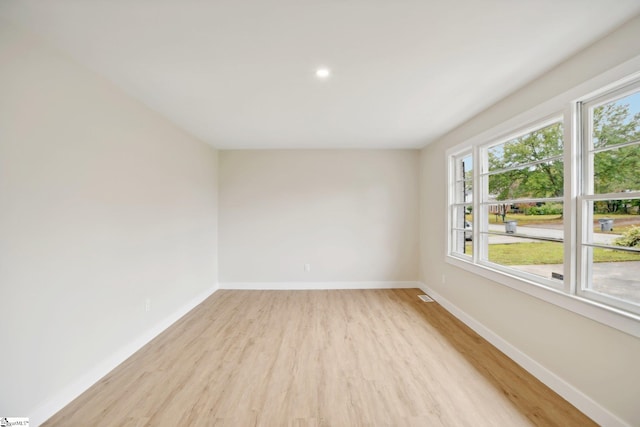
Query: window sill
[(610, 316)]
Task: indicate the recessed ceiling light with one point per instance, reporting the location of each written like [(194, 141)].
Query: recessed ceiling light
[(323, 73)]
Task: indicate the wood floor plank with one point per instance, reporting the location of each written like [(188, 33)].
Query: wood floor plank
[(319, 358)]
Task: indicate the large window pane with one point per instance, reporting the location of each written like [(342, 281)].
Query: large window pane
[(464, 180), (533, 147), (542, 258), (610, 220), (463, 242), (615, 273), (611, 255), (464, 192), (529, 239), (524, 210), (460, 215), (543, 220), (461, 228), (540, 180), (617, 170), (616, 122), (461, 204)]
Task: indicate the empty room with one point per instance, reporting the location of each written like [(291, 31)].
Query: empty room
[(320, 213)]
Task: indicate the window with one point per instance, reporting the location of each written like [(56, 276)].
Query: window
[(461, 208), (522, 219), (550, 204), (610, 199)]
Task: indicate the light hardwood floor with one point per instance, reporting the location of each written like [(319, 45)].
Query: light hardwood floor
[(319, 358)]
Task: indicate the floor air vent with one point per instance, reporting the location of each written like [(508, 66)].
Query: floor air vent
[(425, 298)]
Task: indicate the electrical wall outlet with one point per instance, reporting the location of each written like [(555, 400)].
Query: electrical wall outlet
[(307, 267)]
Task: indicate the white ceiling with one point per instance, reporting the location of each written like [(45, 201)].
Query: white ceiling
[(240, 74)]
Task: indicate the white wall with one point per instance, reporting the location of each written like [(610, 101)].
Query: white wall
[(103, 203), (598, 361), (351, 214)]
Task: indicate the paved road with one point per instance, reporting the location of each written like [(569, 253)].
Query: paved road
[(534, 231), (618, 279)]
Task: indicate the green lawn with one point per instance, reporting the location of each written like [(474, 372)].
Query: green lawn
[(545, 253), (526, 219)]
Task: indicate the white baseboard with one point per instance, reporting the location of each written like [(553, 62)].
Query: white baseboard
[(282, 286), (55, 403), (574, 396)]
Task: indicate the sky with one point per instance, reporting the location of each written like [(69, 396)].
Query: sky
[(633, 101)]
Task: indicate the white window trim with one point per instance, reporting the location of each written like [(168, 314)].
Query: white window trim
[(569, 297), (585, 274), (483, 175), (451, 197)]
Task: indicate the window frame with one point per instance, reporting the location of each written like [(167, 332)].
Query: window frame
[(588, 194), (453, 162), (568, 105), (483, 184)]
